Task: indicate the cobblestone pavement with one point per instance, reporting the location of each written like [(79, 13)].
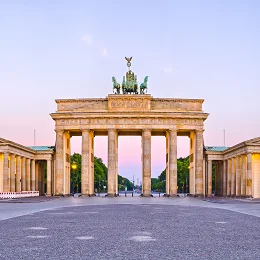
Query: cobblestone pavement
[(130, 231)]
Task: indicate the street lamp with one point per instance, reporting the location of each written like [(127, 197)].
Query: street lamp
[(73, 167)]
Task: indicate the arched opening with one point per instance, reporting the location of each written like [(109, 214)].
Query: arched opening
[(129, 164), (183, 164), (158, 181)]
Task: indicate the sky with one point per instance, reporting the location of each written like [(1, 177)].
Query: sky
[(71, 49)]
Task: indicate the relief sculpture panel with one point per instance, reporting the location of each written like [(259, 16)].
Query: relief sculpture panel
[(78, 105), (128, 104), (176, 105)]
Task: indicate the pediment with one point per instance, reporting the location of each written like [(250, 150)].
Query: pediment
[(254, 141), (3, 141)]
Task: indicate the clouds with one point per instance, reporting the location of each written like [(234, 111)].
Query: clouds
[(170, 69), (87, 39), (104, 52)]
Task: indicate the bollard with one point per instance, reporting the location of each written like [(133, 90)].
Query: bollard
[(125, 194), (159, 194), (132, 194)]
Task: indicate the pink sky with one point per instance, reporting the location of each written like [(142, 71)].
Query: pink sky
[(189, 49)]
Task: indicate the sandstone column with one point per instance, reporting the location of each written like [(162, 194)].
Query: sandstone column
[(224, 181), (192, 170), (6, 179), (33, 175), (199, 163), (48, 192), (233, 177), (59, 174), (91, 164), (111, 163), (117, 193), (167, 191), (146, 162), (238, 176), (216, 178), (18, 187), (37, 176), (229, 164), (12, 173), (243, 175), (28, 174), (23, 174), (249, 175), (209, 178), (85, 162), (172, 163), (221, 178), (40, 178)]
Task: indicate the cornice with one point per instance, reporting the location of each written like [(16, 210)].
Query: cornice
[(192, 115)]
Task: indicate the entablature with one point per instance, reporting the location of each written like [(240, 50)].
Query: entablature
[(128, 123), (9, 148)]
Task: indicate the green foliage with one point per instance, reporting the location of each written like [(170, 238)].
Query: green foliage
[(158, 184), (100, 176), (75, 174), (124, 182), (183, 172)]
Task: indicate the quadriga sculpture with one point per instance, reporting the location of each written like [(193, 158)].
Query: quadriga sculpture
[(130, 86), (116, 86), (143, 86)]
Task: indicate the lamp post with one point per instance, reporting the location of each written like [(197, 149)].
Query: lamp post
[(73, 167)]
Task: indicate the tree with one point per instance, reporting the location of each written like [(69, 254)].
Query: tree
[(158, 184), (75, 176), (100, 175)]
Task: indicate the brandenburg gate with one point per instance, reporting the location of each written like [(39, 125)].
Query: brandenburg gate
[(129, 111)]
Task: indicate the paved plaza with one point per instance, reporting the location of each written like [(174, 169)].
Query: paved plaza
[(129, 228)]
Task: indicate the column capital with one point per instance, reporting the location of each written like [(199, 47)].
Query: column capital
[(112, 130), (199, 131), (59, 131), (146, 130), (172, 130)]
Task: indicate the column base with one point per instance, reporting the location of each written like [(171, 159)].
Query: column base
[(111, 195), (59, 195), (48, 195), (171, 195), (197, 195), (174, 195), (146, 195), (87, 195)]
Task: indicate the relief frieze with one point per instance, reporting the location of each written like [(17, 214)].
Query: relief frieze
[(128, 103), (128, 121)]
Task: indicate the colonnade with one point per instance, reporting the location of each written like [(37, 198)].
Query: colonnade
[(62, 170), (21, 173), (233, 176)]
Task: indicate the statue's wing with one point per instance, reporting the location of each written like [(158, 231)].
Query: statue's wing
[(130, 59), (127, 59)]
